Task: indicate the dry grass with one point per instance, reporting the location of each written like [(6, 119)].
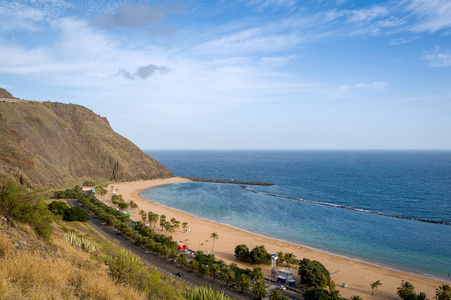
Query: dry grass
[(68, 273)]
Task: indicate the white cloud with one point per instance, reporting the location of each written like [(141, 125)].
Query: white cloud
[(438, 57), (367, 14), (433, 15)]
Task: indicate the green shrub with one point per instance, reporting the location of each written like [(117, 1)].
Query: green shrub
[(242, 252), (313, 273), (75, 214), (259, 255), (57, 207), (25, 206)]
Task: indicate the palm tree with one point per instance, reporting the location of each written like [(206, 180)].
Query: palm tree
[(214, 268), (193, 266), (256, 274), (259, 290), (356, 298), (334, 295), (214, 236), (289, 257), (182, 259), (280, 258), (184, 226), (421, 296), (171, 229), (277, 295), (375, 285), (227, 275), (143, 215), (162, 221), (443, 292), (153, 218), (405, 290), (176, 224), (243, 283), (173, 220), (172, 253)]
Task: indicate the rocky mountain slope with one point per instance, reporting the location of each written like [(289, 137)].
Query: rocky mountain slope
[(54, 144)]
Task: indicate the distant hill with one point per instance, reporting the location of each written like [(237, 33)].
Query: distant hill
[(54, 144)]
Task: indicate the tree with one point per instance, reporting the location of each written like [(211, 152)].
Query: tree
[(184, 226), (28, 207), (259, 290), (375, 285), (277, 295), (313, 273), (57, 207), (316, 294), (182, 259), (421, 296), (172, 254), (259, 255), (227, 275), (280, 258), (242, 252), (143, 215), (443, 292), (406, 290), (192, 266), (213, 268), (356, 298), (289, 257), (122, 205), (75, 214), (334, 295), (214, 236), (243, 283), (162, 221), (256, 274), (133, 204), (153, 218), (89, 183), (176, 224)]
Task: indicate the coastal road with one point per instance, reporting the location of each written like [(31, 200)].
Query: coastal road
[(162, 265)]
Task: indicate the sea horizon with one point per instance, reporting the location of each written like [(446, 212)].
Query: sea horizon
[(418, 259)]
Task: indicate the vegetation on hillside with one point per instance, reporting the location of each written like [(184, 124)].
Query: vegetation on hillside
[(46, 144)]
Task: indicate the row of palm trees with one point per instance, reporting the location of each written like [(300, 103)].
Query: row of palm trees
[(407, 292), (244, 280), (168, 226)]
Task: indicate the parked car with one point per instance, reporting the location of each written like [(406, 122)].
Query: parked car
[(281, 287), (179, 274), (147, 252)]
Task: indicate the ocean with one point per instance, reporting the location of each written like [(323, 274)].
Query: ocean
[(389, 208)]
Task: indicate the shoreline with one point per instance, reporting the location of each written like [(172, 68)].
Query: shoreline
[(357, 273), (350, 257)]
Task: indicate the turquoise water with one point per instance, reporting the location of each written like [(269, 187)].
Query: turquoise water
[(410, 184)]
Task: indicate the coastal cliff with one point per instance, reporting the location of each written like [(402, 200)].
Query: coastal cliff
[(48, 144)]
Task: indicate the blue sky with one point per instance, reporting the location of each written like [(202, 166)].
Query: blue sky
[(258, 74)]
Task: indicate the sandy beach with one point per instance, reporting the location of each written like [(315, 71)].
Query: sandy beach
[(357, 275)]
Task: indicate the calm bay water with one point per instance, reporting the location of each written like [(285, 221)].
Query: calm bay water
[(414, 184)]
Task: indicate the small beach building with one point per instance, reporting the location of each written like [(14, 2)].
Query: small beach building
[(182, 246), (88, 190), (285, 276)]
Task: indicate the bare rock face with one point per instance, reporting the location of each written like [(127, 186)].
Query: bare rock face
[(54, 144), (5, 94)]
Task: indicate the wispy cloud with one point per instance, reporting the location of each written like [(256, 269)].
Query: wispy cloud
[(130, 15), (438, 57), (144, 72), (431, 15)]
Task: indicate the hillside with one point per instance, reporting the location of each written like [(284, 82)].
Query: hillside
[(54, 144)]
